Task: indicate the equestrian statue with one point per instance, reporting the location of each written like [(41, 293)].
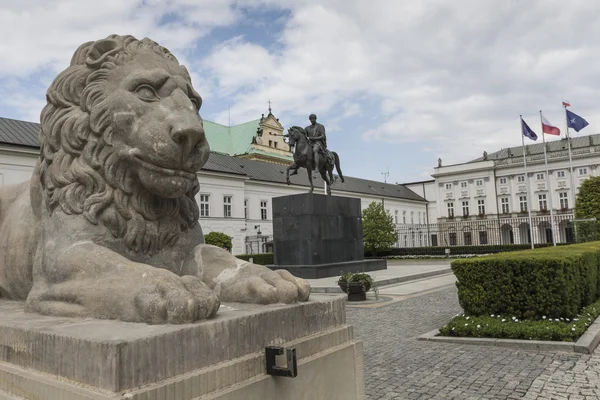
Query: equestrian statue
[(310, 152)]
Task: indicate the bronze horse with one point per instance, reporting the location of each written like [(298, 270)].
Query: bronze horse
[(304, 158)]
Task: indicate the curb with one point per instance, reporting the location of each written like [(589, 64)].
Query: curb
[(586, 344), (388, 281)]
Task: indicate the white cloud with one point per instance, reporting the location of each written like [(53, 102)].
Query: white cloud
[(445, 74), (44, 35), (450, 77)]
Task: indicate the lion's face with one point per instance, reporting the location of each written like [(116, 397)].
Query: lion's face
[(156, 125)]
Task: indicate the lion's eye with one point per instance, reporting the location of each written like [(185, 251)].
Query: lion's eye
[(146, 93), (195, 103)]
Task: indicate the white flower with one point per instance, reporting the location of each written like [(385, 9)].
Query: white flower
[(543, 317), (467, 317), (575, 319), (503, 319), (568, 320), (478, 326), (556, 319), (516, 319), (466, 324), (572, 329), (492, 315), (452, 328)]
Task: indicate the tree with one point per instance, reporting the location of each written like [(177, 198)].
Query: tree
[(379, 231), (587, 205), (218, 239)]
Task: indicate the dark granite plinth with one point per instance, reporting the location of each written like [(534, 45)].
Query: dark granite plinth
[(333, 269), (314, 229)]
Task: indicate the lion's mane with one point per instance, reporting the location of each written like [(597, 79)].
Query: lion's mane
[(82, 173)]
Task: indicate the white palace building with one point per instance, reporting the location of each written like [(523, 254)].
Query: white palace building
[(483, 201)]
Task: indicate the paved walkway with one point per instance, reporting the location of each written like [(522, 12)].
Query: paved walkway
[(398, 366), (397, 271)]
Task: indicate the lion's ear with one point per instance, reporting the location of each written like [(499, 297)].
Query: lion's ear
[(100, 51)]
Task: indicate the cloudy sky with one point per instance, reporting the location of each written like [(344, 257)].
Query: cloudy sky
[(397, 84)]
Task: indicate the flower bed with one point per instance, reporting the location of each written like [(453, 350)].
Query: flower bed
[(505, 327)]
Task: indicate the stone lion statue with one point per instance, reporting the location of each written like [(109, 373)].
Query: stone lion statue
[(107, 227)]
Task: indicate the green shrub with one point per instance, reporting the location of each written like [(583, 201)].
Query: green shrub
[(261, 259), (454, 250), (218, 239), (554, 281), (511, 327)]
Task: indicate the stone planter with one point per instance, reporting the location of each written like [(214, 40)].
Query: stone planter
[(356, 290)]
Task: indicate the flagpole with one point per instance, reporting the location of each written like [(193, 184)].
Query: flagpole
[(571, 172), (548, 182), (527, 187)]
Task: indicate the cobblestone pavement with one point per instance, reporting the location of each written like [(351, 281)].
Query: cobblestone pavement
[(398, 366)]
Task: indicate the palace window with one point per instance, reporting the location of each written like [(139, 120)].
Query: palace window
[(450, 210), (503, 181), (468, 238), (521, 178), (226, 206), (483, 237), (539, 176), (543, 202), (246, 208), (504, 204), (463, 184), (452, 238), (448, 186), (583, 171), (523, 203), (564, 202), (204, 205), (263, 209), (403, 217), (396, 216), (560, 174), (465, 208), (479, 182), (481, 206)]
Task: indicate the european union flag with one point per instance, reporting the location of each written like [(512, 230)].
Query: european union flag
[(527, 132), (575, 121)]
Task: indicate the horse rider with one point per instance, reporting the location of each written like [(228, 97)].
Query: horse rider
[(316, 135)]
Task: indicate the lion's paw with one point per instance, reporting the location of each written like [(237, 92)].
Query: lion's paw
[(176, 299), (270, 287)]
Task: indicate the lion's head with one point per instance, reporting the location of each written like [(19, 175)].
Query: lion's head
[(121, 141)]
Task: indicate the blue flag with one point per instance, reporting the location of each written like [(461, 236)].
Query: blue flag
[(527, 132), (575, 121)]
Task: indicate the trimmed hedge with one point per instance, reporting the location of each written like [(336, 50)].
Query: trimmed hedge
[(261, 259), (455, 250), (556, 282)]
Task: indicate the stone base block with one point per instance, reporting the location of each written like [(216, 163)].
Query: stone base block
[(53, 358), (333, 269)]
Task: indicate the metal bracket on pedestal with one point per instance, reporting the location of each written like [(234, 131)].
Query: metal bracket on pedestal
[(292, 363)]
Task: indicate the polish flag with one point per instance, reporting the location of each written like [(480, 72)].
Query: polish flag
[(548, 128), (566, 104)]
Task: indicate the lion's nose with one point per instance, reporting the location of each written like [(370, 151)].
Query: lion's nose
[(187, 136)]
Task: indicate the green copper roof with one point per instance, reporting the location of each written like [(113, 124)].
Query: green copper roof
[(232, 140)]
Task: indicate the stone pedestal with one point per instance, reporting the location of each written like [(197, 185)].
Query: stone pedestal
[(316, 236), (52, 358)]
